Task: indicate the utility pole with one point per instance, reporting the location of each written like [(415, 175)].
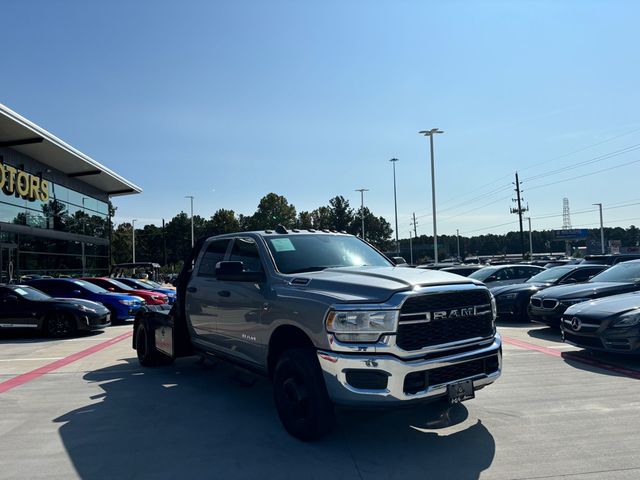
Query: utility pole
[(415, 226), (530, 241), (133, 239), (458, 242), (164, 244), (519, 210), (601, 229)]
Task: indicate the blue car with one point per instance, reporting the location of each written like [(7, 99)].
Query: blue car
[(149, 285), (121, 306)]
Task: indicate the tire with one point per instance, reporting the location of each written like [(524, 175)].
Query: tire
[(148, 356), (522, 311), (300, 395), (60, 325)]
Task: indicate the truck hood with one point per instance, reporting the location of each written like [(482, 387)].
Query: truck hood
[(604, 307), (373, 284), (586, 290)]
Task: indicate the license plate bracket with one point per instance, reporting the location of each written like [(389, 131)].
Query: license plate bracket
[(461, 391)]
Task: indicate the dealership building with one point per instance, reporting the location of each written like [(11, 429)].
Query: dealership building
[(54, 204)]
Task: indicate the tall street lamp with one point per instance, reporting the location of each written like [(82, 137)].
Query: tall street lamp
[(395, 203), (601, 228), (362, 190), (430, 134), (133, 242), (411, 247), (191, 198), (458, 242)]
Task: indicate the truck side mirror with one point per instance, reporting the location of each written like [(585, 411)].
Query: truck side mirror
[(234, 272)]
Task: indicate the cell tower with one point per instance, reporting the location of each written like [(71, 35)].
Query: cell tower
[(566, 216)]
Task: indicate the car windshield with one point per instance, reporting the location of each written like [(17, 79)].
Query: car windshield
[(626, 272), (308, 253), (90, 286), (31, 293), (551, 275), (120, 284), (484, 273), (150, 283)]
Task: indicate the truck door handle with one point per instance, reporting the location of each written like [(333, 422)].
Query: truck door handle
[(192, 289), (224, 293)]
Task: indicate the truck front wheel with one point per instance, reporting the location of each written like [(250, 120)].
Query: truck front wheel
[(301, 396)]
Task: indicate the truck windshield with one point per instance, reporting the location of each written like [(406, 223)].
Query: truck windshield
[(308, 253)]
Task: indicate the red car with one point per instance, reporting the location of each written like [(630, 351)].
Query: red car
[(112, 285)]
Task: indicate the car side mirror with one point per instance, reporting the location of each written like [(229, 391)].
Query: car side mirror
[(111, 289), (491, 278), (569, 280), (10, 299), (75, 292), (234, 272)]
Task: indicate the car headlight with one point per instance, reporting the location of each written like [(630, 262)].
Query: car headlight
[(84, 308), (508, 296), (572, 301), (361, 326), (127, 302), (630, 319)]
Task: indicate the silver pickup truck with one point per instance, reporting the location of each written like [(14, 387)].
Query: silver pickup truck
[(330, 320)]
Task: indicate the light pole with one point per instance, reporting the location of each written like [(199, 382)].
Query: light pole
[(430, 134), (362, 190), (410, 247), (458, 242), (530, 240), (601, 229), (191, 198), (133, 243), (395, 203)]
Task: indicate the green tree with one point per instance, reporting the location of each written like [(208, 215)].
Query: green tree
[(321, 218), (223, 221), (341, 214), (121, 241), (305, 220), (377, 230), (273, 210)]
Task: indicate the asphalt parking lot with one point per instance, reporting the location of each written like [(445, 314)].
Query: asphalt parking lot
[(84, 408)]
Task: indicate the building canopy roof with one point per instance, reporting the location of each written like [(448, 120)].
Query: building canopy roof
[(28, 138)]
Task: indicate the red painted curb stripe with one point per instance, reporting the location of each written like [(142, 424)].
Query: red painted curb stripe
[(38, 372), (573, 356)]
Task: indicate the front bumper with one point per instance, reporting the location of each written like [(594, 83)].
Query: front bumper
[(547, 316), (401, 375), (601, 337)]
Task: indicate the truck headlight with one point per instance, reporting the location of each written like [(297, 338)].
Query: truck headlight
[(494, 308), (630, 319), (361, 326)]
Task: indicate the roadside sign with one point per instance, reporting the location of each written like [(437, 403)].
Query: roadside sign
[(573, 234)]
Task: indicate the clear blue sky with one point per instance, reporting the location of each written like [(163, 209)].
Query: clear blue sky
[(228, 101)]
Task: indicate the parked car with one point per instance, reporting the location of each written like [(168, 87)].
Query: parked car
[(512, 301), (113, 285), (464, 270), (494, 276), (121, 306), (22, 306), (610, 259), (549, 305), (150, 285), (610, 324)]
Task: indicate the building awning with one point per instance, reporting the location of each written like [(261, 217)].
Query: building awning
[(29, 139)]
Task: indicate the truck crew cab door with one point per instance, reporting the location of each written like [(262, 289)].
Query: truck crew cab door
[(242, 304), (202, 301)]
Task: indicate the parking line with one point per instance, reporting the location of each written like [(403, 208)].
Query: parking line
[(50, 367), (573, 356)]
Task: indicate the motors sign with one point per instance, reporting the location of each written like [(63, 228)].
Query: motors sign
[(573, 234), (19, 183)]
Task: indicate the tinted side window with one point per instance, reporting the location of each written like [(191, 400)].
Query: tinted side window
[(214, 254), (582, 275), (245, 250)]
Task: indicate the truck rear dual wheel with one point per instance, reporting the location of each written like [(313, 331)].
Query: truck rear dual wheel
[(148, 355), (301, 396)]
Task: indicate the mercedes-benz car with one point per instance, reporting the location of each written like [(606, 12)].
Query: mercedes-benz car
[(610, 324)]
